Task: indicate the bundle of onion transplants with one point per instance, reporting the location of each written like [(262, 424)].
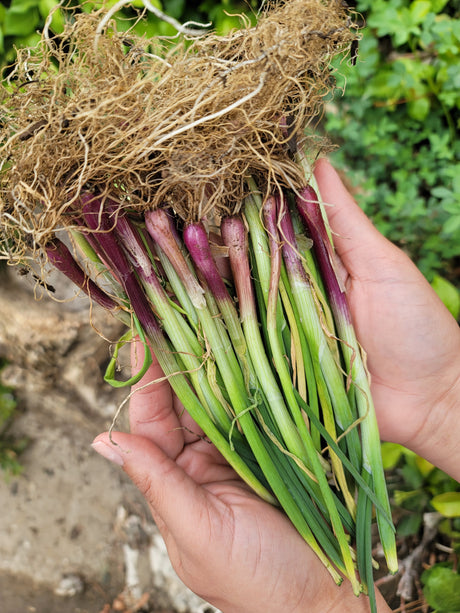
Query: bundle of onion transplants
[(132, 165)]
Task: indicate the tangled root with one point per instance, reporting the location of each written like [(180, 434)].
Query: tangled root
[(150, 124)]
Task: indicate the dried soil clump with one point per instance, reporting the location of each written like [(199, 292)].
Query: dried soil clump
[(150, 124)]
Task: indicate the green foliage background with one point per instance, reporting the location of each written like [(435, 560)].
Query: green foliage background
[(397, 127), (11, 446), (418, 488), (396, 123)]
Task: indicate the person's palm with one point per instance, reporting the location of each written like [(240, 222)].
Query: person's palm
[(411, 341), (217, 531)]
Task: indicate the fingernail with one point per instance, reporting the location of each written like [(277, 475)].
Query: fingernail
[(109, 452)]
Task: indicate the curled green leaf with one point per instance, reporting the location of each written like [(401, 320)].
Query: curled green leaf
[(109, 376)]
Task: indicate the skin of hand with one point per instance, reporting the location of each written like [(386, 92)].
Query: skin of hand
[(411, 340), (236, 551)]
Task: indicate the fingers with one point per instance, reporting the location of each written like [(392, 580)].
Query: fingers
[(357, 241), (151, 410), (170, 492), (155, 412)]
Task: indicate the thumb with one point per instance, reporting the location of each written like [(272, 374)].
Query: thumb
[(357, 241), (172, 495)]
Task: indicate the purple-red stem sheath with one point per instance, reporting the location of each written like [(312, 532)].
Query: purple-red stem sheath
[(197, 243), (62, 259), (310, 212), (100, 222), (160, 227), (235, 238)]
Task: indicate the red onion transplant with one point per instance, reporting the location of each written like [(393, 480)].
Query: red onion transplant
[(156, 161)]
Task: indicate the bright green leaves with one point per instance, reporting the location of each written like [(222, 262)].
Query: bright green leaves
[(402, 20), (399, 23), (441, 584), (448, 293), (419, 10), (391, 454), (441, 588), (425, 57), (448, 504), (421, 66), (46, 7), (225, 15), (417, 488), (175, 8), (397, 127), (21, 20), (10, 446)]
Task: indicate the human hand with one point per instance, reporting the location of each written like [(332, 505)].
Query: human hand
[(233, 549), (227, 545), (411, 340)]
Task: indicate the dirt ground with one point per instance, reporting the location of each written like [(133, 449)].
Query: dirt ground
[(75, 535)]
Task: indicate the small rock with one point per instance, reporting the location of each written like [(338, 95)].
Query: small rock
[(70, 585)]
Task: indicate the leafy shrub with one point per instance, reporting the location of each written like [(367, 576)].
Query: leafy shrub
[(397, 127), (10, 446), (19, 22), (21, 19), (441, 588), (417, 487)]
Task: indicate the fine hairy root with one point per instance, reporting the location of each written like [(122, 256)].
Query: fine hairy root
[(149, 123)]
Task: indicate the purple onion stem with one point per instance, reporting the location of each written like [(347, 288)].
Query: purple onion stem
[(197, 243), (62, 259), (310, 212), (161, 228), (100, 221)]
